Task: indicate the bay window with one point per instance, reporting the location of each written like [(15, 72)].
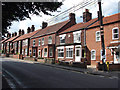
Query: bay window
[(69, 52), (60, 52)]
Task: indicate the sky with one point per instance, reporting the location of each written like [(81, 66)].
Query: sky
[(109, 7)]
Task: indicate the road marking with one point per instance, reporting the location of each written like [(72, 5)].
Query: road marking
[(17, 81)]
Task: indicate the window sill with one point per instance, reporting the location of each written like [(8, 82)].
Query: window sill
[(61, 57), (69, 57)]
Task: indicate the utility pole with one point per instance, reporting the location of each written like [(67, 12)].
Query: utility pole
[(101, 32)]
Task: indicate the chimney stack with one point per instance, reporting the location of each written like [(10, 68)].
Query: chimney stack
[(20, 32), (8, 35), (32, 28), (28, 30), (72, 17), (23, 32), (87, 16), (15, 34), (44, 25)]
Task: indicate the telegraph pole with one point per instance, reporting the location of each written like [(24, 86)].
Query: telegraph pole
[(101, 32)]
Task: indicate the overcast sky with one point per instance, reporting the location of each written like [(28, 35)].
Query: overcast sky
[(109, 7)]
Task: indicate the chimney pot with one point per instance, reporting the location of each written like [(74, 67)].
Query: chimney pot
[(15, 34), (72, 16)]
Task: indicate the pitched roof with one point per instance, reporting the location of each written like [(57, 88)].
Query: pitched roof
[(108, 19), (79, 26), (11, 39), (25, 36), (51, 29), (4, 40), (93, 23)]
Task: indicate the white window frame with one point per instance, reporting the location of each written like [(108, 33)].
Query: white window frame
[(39, 42), (50, 40), (67, 49), (39, 52), (77, 36), (51, 52), (62, 37), (45, 52), (91, 54), (60, 48), (34, 53), (99, 36), (115, 33), (101, 54), (30, 52), (34, 43), (42, 41), (26, 51)]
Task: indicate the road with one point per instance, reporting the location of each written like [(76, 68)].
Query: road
[(29, 75)]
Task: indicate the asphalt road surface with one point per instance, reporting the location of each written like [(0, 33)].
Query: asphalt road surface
[(29, 75)]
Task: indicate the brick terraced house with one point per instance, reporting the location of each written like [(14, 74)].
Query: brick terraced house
[(43, 43), (111, 39), (22, 43), (71, 43)]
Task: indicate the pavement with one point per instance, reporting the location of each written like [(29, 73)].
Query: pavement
[(89, 70)]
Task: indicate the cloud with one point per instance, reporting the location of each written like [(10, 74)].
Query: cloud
[(109, 7)]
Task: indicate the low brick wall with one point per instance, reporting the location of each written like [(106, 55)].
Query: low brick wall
[(112, 67), (41, 60), (29, 58), (15, 56), (74, 64)]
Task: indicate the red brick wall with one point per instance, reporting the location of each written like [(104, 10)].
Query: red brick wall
[(92, 44)]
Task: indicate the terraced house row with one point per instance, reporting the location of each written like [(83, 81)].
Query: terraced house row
[(68, 40)]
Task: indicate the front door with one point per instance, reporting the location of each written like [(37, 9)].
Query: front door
[(116, 57), (34, 52), (78, 54)]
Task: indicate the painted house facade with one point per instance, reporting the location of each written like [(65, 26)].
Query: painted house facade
[(43, 43), (111, 40)]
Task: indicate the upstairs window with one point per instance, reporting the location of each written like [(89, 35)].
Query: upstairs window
[(50, 40), (42, 41), (98, 38), (33, 42), (93, 55), (115, 33), (62, 39), (39, 42), (77, 37)]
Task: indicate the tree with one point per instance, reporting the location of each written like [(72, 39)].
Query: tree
[(18, 11)]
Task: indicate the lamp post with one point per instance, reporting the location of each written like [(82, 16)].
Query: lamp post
[(101, 32)]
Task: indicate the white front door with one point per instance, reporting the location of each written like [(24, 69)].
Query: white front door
[(78, 54)]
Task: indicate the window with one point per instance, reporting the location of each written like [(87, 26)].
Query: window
[(93, 55), (69, 52), (98, 38), (33, 42), (50, 52), (62, 39), (50, 40), (45, 52), (39, 42), (60, 52), (22, 51), (25, 42), (30, 53), (26, 51), (83, 53), (101, 54), (39, 53), (117, 55), (77, 37), (115, 33), (42, 41), (19, 47), (34, 51)]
